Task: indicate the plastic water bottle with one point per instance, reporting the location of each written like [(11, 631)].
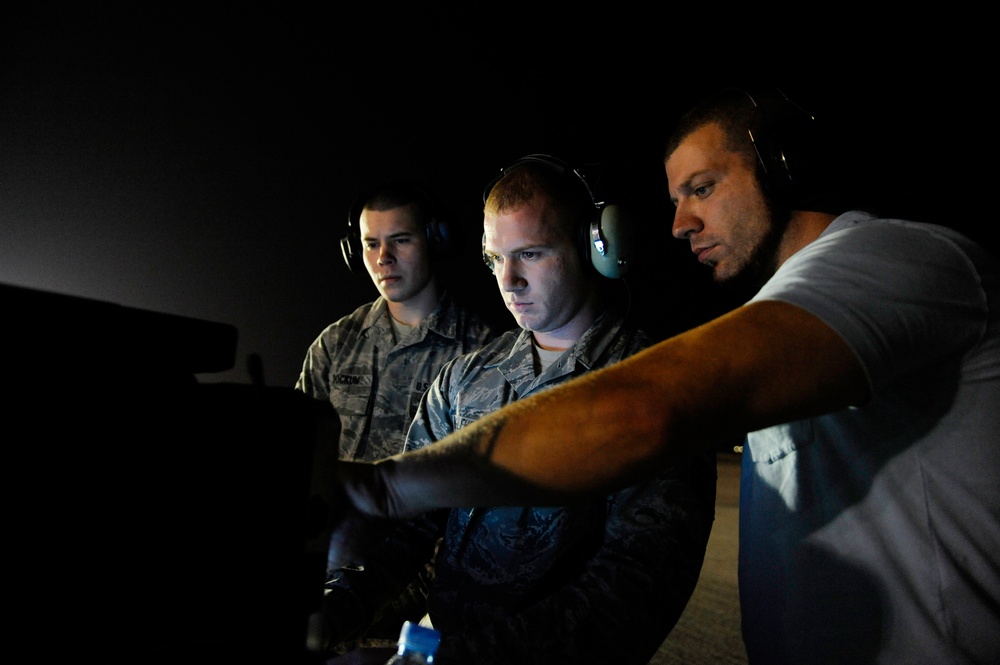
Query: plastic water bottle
[(417, 645)]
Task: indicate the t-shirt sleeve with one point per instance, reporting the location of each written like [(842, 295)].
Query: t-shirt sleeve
[(901, 295)]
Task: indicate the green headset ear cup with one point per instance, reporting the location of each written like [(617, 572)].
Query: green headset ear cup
[(606, 243), (612, 232)]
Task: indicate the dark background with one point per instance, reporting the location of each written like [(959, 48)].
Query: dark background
[(200, 160)]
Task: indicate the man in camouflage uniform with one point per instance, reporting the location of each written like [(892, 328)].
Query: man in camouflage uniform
[(582, 584), (374, 364)]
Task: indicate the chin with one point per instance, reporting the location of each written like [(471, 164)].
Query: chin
[(521, 322), (721, 275)]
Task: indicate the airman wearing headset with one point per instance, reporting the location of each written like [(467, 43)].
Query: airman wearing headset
[(374, 364), (545, 584)]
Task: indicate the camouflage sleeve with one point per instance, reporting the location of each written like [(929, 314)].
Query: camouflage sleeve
[(315, 367), (434, 419), (630, 594), (394, 552), (393, 555)]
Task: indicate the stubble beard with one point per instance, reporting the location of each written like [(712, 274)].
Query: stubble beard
[(763, 260)]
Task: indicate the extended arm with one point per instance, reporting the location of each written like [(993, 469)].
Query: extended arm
[(761, 364)]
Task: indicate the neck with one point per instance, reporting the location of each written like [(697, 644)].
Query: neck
[(804, 226), (413, 310), (566, 336)]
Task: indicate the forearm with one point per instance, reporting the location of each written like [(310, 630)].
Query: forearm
[(576, 440), (765, 364)]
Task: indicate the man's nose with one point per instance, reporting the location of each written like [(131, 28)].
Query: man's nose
[(385, 256), (510, 278), (685, 222)]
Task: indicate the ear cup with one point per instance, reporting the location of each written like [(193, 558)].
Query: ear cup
[(440, 238), (605, 242), (350, 243), (350, 247), (610, 243), (486, 259), (783, 134)]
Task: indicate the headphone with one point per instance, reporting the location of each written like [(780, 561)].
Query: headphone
[(439, 234), (784, 136), (605, 241)]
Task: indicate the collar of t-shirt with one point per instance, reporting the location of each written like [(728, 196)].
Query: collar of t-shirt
[(399, 329), (544, 357)]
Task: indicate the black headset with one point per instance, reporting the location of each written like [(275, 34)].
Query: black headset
[(605, 241), (784, 135), (439, 234)]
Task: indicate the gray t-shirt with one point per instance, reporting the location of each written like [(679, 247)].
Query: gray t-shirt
[(872, 534)]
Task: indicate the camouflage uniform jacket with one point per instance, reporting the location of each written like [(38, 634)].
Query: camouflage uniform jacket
[(599, 582), (374, 382)]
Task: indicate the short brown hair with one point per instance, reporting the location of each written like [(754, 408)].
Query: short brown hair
[(520, 183)]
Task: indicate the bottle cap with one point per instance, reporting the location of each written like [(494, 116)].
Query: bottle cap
[(419, 638)]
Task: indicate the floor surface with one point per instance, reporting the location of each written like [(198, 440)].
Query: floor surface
[(709, 629)]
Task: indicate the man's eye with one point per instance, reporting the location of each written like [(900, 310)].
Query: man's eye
[(529, 256), (371, 245), (702, 190)]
